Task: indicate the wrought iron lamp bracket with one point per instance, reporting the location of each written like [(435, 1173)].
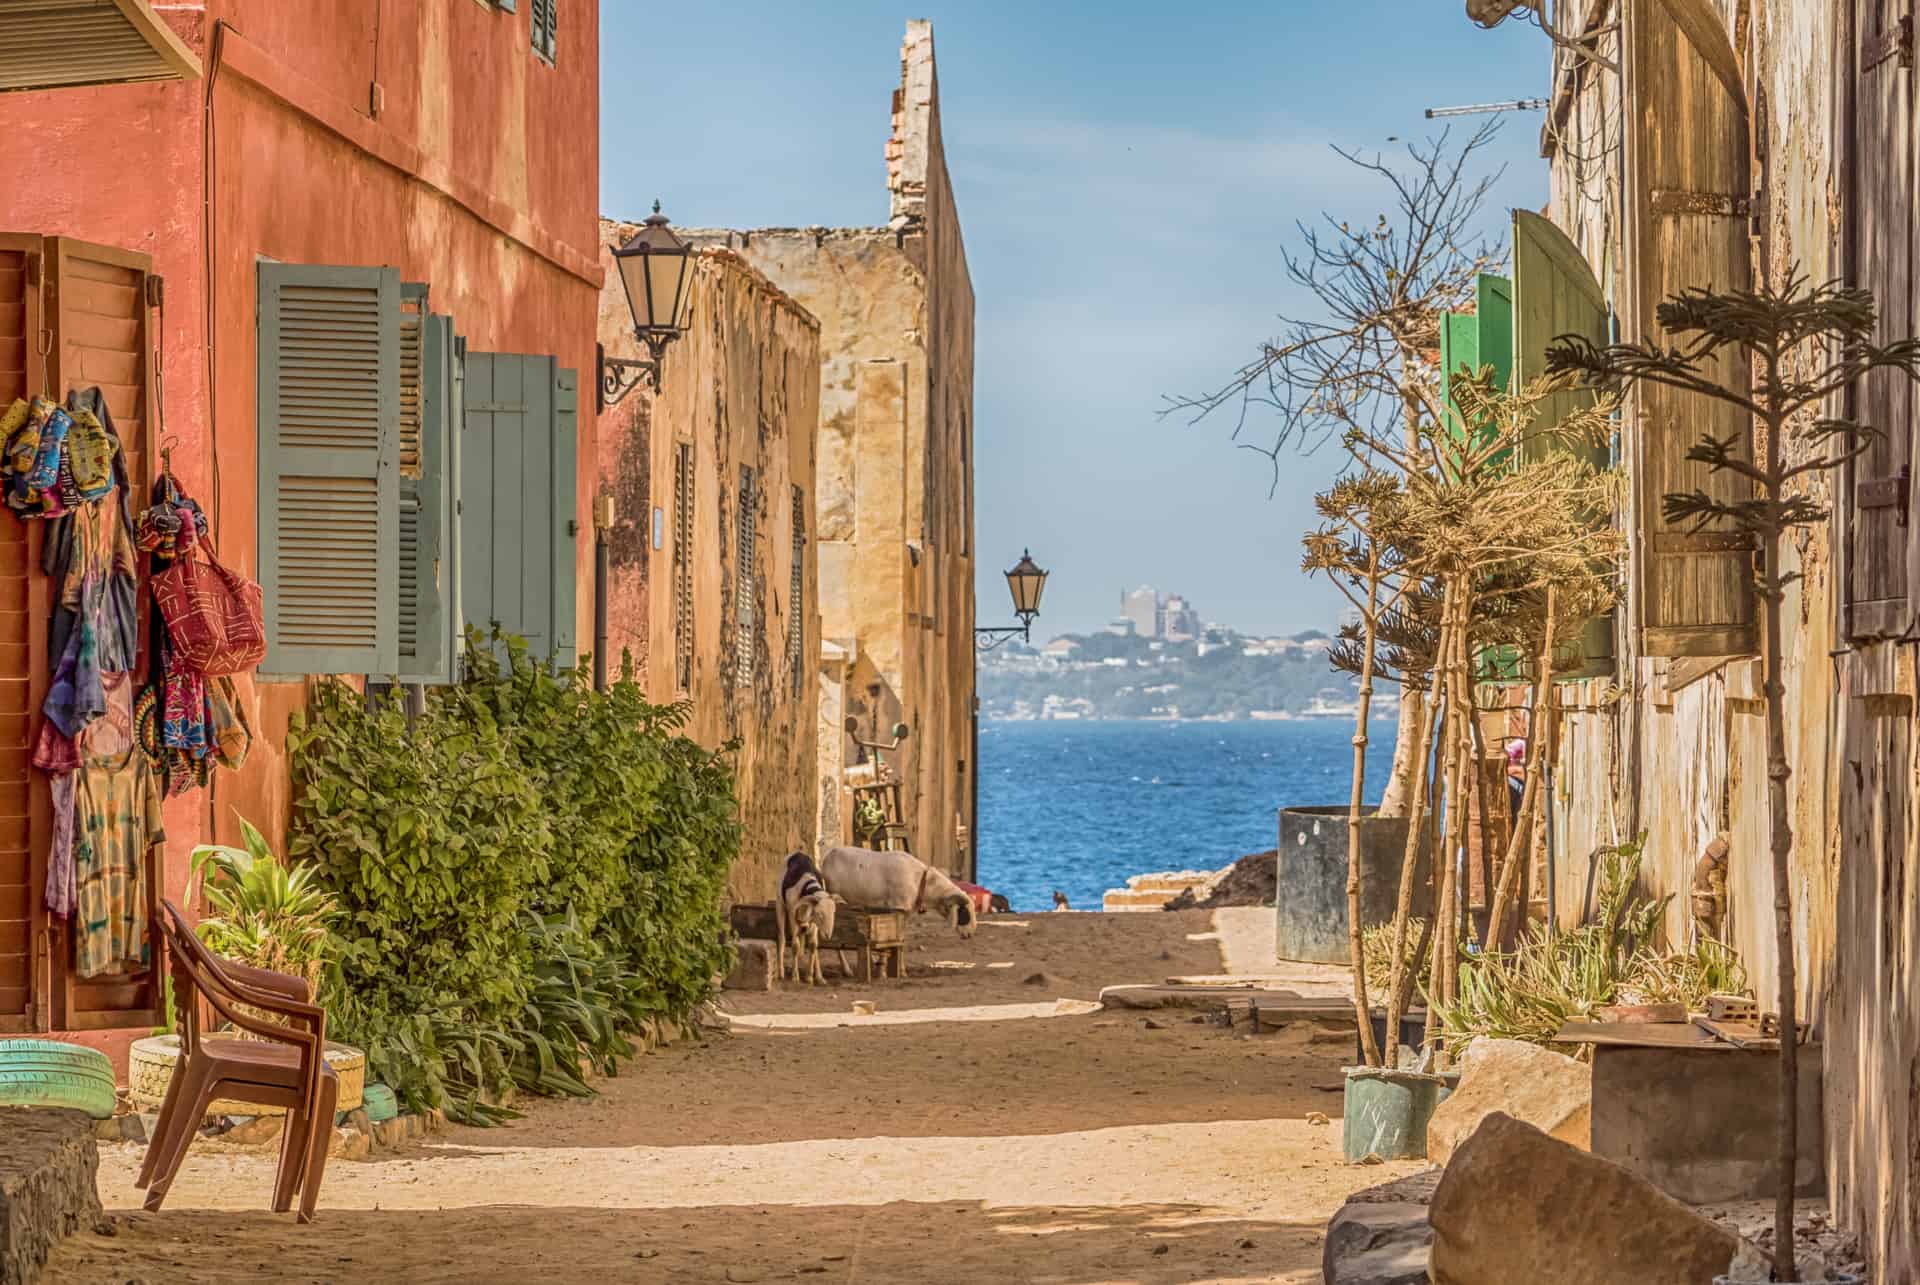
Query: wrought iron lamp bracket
[(987, 637), (618, 376)]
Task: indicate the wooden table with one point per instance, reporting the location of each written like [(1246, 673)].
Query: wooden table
[(876, 934)]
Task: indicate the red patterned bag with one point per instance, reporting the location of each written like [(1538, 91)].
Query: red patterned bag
[(214, 616)]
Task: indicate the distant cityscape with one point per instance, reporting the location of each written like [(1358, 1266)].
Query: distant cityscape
[(1157, 659)]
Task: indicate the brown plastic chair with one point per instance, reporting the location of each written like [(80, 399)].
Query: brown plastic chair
[(285, 1068)]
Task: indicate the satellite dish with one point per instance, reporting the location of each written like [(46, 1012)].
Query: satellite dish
[(1491, 13)]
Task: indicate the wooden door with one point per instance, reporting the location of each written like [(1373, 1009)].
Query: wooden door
[(24, 340), (101, 304), (1879, 254)]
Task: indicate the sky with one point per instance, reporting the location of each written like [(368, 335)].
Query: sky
[(1128, 175)]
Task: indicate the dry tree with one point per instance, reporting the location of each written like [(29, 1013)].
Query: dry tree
[(1806, 348), (1364, 367)]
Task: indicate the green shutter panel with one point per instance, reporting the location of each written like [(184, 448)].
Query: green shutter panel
[(1555, 293), (329, 456), (429, 632), (519, 515)]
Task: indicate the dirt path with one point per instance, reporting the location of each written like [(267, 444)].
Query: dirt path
[(1073, 1149)]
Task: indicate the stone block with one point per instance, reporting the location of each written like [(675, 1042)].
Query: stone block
[(1551, 1092), (141, 1127), (256, 1131), (1516, 1207), (349, 1144), (358, 1121), (48, 1165), (753, 965), (1699, 1123), (1377, 1244), (391, 1133)]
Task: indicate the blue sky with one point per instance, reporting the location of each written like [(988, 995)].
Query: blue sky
[(1127, 176)]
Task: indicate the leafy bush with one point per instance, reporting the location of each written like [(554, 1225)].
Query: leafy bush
[(527, 870)]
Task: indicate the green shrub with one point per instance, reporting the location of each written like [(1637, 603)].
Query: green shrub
[(525, 872)]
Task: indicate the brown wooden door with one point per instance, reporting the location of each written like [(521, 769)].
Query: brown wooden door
[(1879, 252), (100, 300), (23, 949), (1689, 199), (72, 315)]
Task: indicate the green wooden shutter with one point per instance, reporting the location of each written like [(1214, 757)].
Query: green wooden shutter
[(329, 457), (518, 485), (1555, 293), (542, 24), (429, 628), (1483, 337)]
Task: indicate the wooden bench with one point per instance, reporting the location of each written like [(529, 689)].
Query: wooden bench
[(875, 934)]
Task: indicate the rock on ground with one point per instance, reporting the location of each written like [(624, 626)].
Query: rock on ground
[(1377, 1243), (48, 1166), (753, 966), (1516, 1207), (1543, 1088)]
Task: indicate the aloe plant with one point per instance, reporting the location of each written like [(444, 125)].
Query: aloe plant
[(262, 911)]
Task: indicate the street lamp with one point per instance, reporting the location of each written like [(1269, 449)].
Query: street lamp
[(655, 271), (1025, 581)]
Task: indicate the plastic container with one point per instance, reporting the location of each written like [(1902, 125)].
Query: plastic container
[(1386, 1112)]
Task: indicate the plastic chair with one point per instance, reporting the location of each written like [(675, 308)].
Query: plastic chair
[(284, 1068)]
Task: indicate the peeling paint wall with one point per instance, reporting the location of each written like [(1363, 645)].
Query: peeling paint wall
[(894, 508), (741, 389), (1678, 747)]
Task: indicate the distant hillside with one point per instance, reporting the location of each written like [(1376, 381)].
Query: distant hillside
[(1105, 675)]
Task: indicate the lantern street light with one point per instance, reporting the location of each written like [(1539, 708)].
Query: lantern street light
[(655, 271), (1026, 581)]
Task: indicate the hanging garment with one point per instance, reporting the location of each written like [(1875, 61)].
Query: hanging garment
[(116, 822), (100, 568), (61, 891), (232, 734), (75, 697), (54, 751)]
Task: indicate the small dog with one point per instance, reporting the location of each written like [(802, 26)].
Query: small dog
[(806, 914), (1060, 901), (999, 905)]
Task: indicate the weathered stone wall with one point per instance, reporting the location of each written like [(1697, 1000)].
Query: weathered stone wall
[(895, 499), (742, 389), (1680, 753)]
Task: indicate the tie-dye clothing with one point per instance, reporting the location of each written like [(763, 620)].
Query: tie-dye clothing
[(116, 815)]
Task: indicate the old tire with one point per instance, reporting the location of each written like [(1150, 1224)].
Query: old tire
[(47, 1073)]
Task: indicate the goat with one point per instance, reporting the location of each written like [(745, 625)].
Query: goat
[(896, 881), (806, 912)]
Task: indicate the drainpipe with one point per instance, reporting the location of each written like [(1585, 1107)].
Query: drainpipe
[(602, 575)]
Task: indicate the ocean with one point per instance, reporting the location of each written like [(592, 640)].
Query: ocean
[(1080, 806)]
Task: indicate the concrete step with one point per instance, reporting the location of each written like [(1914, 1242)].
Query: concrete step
[(48, 1167)]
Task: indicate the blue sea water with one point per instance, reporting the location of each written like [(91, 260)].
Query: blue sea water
[(1080, 806)]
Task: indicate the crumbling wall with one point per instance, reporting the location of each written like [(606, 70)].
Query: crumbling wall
[(741, 389), (895, 500)]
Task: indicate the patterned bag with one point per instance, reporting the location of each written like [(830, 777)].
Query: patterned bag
[(90, 450), (46, 460), (214, 617)]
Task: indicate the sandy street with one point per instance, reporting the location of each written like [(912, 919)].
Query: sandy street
[(1090, 1148)]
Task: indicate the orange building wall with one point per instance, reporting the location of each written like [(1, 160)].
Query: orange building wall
[(478, 175)]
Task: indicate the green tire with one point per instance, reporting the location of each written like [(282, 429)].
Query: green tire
[(47, 1073)]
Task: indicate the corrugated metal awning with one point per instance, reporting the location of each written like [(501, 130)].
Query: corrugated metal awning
[(62, 44)]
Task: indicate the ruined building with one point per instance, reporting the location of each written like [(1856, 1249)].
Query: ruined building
[(893, 500), (1721, 143)]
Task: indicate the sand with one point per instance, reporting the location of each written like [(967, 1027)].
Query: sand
[(1086, 1148)]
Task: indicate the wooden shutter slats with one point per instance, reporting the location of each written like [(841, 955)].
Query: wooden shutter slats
[(1878, 563), (1685, 230), (427, 567), (329, 464)]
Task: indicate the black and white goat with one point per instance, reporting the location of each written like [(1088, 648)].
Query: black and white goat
[(806, 910)]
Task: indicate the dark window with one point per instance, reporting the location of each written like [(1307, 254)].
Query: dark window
[(744, 580), (683, 567), (797, 594)]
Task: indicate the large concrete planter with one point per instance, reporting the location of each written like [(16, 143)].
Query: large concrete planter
[(150, 1067), (1310, 880), (1385, 1113)]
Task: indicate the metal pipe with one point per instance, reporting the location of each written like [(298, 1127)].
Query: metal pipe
[(602, 573)]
